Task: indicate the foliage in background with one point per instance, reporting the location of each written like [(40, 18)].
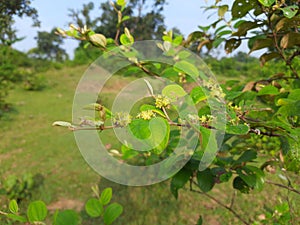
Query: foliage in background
[(48, 47), (9, 9), (37, 212)]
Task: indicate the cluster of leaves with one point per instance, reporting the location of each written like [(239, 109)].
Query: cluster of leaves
[(20, 189), (37, 211), (264, 108)]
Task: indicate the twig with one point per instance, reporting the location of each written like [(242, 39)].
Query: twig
[(284, 186), (221, 204)]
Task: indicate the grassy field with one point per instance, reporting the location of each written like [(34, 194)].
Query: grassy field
[(29, 144)]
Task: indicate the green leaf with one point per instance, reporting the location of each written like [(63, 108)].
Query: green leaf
[(252, 176), (183, 54), (261, 43), (121, 3), (126, 38), (247, 156), (241, 7), (198, 95), (232, 44), (140, 128), (240, 129), (187, 68), (125, 18), (37, 211), (200, 221), (222, 10), (160, 134), (290, 40), (267, 3), (13, 206), (69, 217), (240, 184), (173, 91), (62, 124), (146, 107), (106, 196), (268, 56), (224, 32), (179, 180), (244, 27), (98, 40), (112, 212), (268, 90), (205, 180), (94, 207), (290, 11), (15, 217), (217, 42)]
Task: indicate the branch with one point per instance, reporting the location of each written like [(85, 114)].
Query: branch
[(221, 204), (284, 186)]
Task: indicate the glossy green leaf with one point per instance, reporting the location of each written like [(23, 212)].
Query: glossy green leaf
[(94, 207), (37, 211), (106, 196), (198, 95), (174, 92), (290, 11), (205, 180), (268, 90), (179, 180), (187, 68), (267, 3), (13, 206), (66, 217), (112, 212)]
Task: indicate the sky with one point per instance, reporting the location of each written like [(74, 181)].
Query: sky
[(185, 15)]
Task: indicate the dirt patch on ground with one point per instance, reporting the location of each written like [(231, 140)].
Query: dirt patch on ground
[(63, 204), (8, 155)]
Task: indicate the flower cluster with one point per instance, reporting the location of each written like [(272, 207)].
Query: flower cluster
[(146, 115), (162, 101), (122, 119)]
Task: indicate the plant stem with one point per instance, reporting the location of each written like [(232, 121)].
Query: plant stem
[(283, 186), (221, 204)]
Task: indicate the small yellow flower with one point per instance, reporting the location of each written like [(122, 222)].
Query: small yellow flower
[(162, 101), (146, 115)]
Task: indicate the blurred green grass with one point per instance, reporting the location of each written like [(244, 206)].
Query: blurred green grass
[(30, 144)]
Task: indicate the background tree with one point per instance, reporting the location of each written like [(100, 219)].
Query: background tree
[(9, 9), (49, 47)]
